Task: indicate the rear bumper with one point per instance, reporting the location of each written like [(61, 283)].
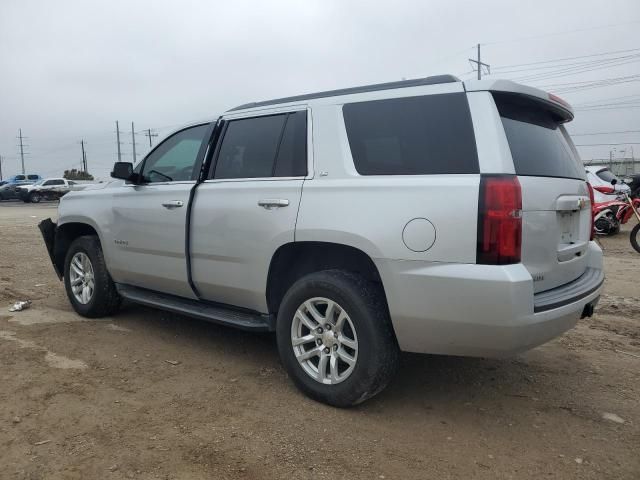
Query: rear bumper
[(482, 310)]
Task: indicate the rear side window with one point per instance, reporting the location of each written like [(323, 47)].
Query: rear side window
[(412, 136), (269, 146), (540, 146), (32, 177)]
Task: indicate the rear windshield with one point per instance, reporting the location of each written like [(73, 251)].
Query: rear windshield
[(540, 146), (412, 136), (607, 175)]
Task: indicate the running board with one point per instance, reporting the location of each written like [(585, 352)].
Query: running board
[(225, 315)]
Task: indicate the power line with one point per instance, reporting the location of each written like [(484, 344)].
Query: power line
[(567, 58), (603, 133), (604, 144), (566, 71), (573, 65), (566, 32)]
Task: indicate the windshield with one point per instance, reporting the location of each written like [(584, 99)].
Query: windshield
[(39, 182)]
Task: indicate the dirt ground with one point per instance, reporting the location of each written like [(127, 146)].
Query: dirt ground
[(150, 395)]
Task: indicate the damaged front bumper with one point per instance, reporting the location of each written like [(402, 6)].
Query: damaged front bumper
[(48, 229)]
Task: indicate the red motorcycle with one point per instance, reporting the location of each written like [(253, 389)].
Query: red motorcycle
[(610, 214)]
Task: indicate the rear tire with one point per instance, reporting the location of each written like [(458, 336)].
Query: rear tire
[(89, 286), (360, 352), (635, 237)]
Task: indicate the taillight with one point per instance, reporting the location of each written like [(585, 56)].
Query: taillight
[(499, 220), (591, 211), (604, 189)]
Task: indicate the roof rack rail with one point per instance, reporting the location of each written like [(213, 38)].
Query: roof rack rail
[(433, 80)]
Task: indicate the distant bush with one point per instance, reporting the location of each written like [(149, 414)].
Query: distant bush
[(75, 174)]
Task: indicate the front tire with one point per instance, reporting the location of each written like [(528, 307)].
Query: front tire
[(34, 197), (89, 286), (335, 337), (635, 238)]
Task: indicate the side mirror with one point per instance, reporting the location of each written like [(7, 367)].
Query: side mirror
[(614, 181), (122, 170)]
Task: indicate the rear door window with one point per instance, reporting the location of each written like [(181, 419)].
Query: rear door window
[(423, 135), (267, 146), (540, 146)]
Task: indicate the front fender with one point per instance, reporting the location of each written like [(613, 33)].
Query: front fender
[(48, 229)]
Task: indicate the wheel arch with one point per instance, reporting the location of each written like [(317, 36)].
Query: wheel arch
[(294, 260), (64, 237)]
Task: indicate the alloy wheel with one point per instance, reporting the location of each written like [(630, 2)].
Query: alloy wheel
[(81, 278), (324, 340)]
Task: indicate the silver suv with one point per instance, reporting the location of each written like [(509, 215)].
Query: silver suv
[(427, 215)]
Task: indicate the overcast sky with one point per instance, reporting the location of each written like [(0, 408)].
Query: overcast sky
[(70, 68)]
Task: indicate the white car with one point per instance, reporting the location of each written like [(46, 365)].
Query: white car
[(47, 189), (601, 176)]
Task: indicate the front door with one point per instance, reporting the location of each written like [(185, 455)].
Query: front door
[(149, 220)]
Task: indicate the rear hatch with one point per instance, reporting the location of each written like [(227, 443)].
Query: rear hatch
[(556, 212)]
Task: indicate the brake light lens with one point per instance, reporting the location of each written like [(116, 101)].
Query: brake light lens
[(604, 189), (499, 220), (592, 207)]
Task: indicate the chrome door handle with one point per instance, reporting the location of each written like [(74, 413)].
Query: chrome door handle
[(173, 204), (270, 203)]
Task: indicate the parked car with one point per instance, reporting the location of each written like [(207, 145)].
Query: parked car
[(8, 189), (47, 189), (600, 176), (428, 215)]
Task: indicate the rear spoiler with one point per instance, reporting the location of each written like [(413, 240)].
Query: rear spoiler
[(555, 103)]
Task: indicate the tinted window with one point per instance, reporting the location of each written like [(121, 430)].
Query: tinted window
[(540, 146), (412, 136), (19, 177), (32, 177), (261, 147), (175, 158), (292, 154)]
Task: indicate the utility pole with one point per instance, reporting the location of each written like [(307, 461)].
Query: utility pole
[(479, 65), (149, 134), (21, 149), (118, 140), (84, 157), (0, 168), (133, 142)]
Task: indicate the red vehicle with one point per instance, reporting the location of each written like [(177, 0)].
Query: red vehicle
[(610, 214)]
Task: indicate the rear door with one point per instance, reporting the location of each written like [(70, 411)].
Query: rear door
[(248, 207), (556, 218)]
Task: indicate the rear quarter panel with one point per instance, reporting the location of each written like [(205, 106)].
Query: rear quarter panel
[(371, 212)]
